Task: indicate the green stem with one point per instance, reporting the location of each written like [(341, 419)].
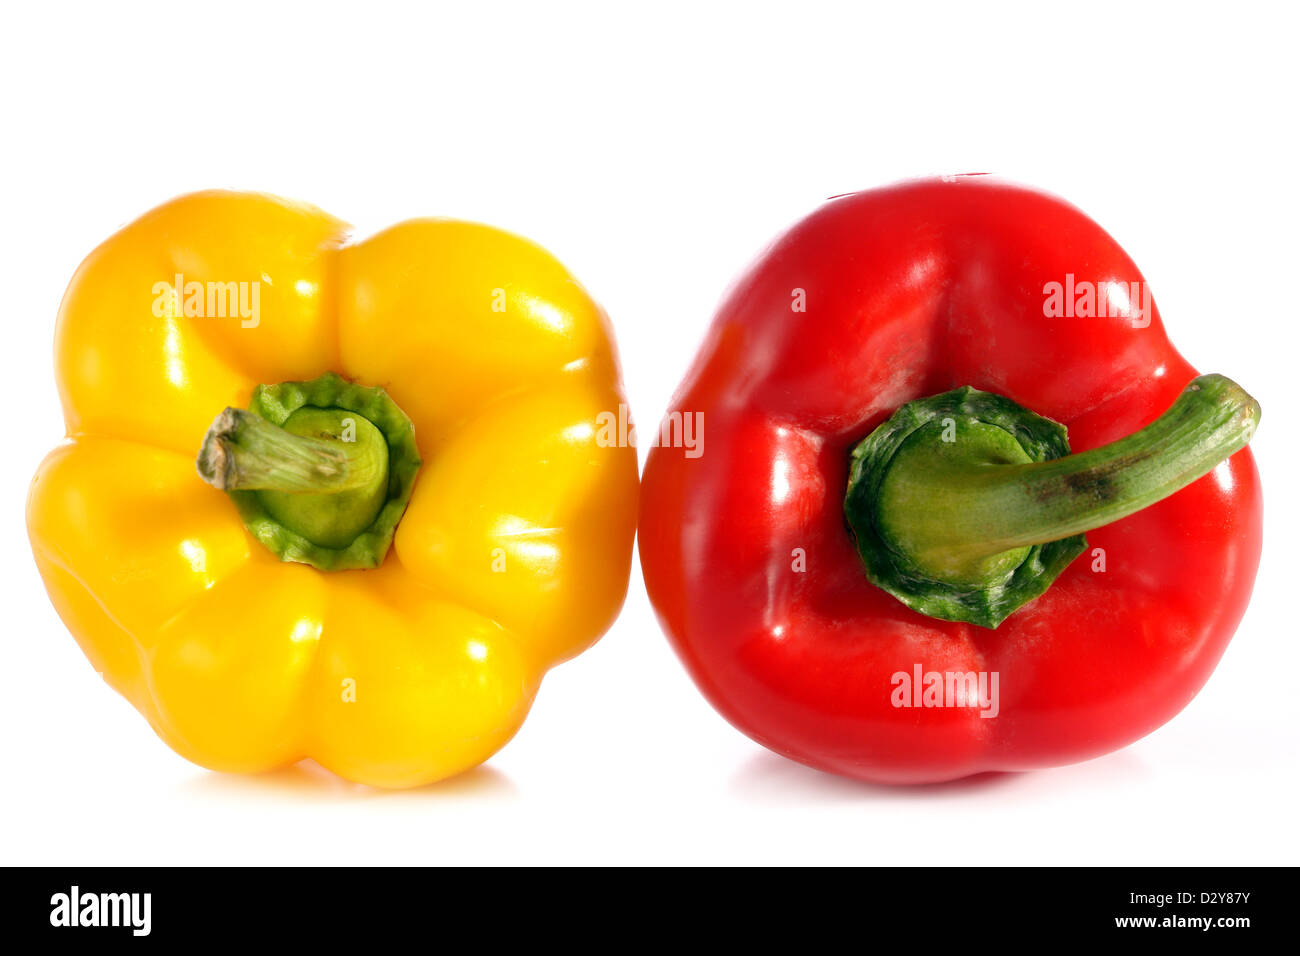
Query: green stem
[(321, 471), (985, 509), (243, 451), (966, 505)]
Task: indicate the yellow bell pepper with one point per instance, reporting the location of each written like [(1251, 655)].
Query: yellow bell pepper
[(274, 623)]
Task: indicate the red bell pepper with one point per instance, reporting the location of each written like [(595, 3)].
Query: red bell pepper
[(889, 563)]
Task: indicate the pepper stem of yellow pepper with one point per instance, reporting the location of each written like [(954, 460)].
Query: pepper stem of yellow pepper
[(321, 470), (243, 451)]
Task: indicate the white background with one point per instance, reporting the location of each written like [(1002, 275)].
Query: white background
[(655, 152)]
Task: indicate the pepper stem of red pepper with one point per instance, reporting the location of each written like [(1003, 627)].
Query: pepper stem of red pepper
[(966, 505)]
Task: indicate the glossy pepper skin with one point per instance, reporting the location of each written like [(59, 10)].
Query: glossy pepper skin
[(512, 555), (909, 291)]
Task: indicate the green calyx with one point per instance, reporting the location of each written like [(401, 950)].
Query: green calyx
[(321, 471), (966, 506)]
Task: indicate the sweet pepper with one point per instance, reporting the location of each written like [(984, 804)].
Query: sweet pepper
[(964, 507), (336, 500)]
